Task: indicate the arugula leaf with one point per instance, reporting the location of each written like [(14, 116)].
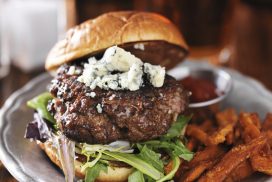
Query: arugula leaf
[(93, 172), (177, 148), (92, 163), (176, 128), (137, 163), (39, 103), (136, 176), (185, 154), (169, 176), (152, 157)]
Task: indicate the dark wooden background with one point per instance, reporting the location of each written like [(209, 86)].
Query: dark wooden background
[(244, 29)]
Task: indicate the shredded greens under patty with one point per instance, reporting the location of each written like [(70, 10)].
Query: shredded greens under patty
[(93, 172), (148, 162), (147, 158), (136, 176)]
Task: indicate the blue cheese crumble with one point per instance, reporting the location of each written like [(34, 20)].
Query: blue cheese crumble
[(73, 71), (155, 74), (91, 94), (99, 108), (129, 71)]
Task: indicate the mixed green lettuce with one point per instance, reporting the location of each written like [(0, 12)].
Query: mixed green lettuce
[(93, 172), (148, 161), (43, 122), (136, 176), (177, 127), (152, 157), (39, 103)]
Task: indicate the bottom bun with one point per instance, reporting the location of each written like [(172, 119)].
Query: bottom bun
[(114, 174)]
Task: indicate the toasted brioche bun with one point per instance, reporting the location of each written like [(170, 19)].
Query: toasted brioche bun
[(125, 29), (116, 174)]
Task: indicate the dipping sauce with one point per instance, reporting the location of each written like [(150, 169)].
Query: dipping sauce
[(202, 89)]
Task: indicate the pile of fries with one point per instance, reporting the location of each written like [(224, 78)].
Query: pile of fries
[(229, 147)]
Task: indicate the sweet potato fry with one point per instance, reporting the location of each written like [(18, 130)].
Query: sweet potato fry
[(235, 157), (226, 117), (206, 154), (168, 168), (250, 124), (267, 124), (192, 144), (262, 163), (241, 172), (215, 139), (197, 171), (256, 120), (197, 133), (202, 161), (238, 131), (226, 121), (252, 149), (207, 125), (230, 137), (220, 136)]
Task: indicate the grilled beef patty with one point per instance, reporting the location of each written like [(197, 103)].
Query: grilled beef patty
[(126, 115)]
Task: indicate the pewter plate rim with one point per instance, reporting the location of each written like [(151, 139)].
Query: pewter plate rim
[(9, 161)]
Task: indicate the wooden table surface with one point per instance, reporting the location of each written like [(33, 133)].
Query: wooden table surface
[(250, 47)]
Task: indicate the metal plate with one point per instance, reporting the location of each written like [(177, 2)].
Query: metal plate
[(26, 162)]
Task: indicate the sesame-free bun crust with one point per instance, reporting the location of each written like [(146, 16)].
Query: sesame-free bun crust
[(116, 174), (119, 28)]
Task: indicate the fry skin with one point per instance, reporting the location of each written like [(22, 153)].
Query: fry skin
[(242, 171), (226, 117), (247, 140), (267, 124), (262, 163), (221, 135), (202, 161), (234, 158), (250, 123), (197, 133)]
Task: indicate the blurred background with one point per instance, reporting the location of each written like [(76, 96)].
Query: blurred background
[(230, 33), (234, 33)]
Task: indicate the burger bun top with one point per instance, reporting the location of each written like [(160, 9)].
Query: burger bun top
[(144, 34)]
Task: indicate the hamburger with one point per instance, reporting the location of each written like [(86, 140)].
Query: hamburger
[(111, 112)]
